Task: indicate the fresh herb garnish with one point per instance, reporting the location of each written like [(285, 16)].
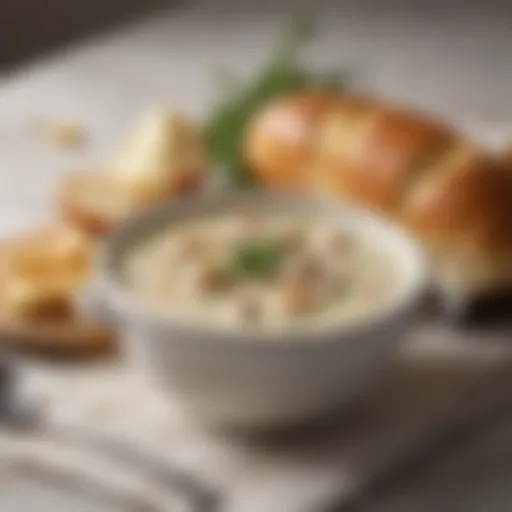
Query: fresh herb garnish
[(256, 259), (283, 73)]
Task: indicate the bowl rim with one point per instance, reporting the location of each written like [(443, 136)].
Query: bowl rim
[(119, 301)]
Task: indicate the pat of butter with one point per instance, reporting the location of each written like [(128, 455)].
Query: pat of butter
[(164, 146)]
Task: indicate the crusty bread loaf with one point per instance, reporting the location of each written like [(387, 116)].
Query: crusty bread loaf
[(447, 191)]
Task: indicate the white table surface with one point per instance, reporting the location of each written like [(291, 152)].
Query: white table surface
[(443, 62), (446, 62)]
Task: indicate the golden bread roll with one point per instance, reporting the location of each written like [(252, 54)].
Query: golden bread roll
[(40, 276), (37, 297), (40, 272), (54, 249), (448, 192)]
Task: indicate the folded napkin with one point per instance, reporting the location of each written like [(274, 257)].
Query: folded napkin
[(440, 382)]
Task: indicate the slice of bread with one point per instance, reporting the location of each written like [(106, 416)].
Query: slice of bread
[(163, 157), (93, 202)]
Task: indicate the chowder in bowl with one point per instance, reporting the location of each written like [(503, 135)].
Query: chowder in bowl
[(261, 271), (261, 310)]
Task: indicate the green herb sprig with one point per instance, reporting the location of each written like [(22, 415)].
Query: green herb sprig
[(284, 72), (256, 259)]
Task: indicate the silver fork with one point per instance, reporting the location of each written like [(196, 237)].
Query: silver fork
[(25, 414)]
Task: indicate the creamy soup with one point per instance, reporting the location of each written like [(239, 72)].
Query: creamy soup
[(260, 271)]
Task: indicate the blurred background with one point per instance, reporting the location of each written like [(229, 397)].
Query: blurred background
[(102, 63), (448, 54), (31, 28)]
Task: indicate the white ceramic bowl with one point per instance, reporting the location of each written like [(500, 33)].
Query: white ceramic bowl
[(244, 379)]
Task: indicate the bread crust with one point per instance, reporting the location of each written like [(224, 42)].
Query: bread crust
[(281, 143), (447, 191)]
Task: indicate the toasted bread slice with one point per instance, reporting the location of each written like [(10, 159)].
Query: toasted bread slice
[(92, 201), (165, 156), (165, 150), (95, 202)]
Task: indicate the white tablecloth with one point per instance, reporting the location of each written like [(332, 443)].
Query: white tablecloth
[(435, 388)]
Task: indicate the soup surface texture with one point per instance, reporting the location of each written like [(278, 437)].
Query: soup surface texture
[(261, 271)]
